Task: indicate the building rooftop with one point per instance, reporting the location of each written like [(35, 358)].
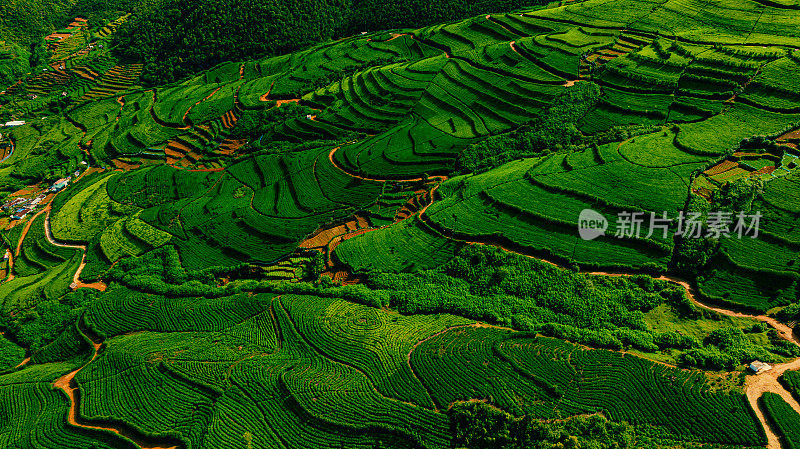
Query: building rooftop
[(759, 367)]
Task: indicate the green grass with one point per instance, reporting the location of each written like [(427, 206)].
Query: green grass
[(665, 318)]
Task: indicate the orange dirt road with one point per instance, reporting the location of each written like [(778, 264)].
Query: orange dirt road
[(76, 278), (28, 228), (67, 383)]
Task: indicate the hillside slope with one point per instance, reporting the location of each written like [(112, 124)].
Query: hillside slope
[(374, 241)]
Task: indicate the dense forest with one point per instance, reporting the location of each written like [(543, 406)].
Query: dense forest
[(385, 14), (25, 22), (174, 39)]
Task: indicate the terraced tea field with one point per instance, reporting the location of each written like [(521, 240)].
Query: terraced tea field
[(354, 244)]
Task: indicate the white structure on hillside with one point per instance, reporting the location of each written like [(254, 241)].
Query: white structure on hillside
[(59, 185), (15, 123), (759, 367)]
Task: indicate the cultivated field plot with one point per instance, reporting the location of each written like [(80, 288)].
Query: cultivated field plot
[(295, 359)]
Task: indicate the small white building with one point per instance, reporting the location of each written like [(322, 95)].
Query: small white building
[(59, 185), (14, 123), (759, 367)]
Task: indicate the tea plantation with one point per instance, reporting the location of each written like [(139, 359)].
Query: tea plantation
[(400, 225)]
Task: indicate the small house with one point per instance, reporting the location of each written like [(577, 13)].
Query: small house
[(20, 214), (759, 367), (59, 185), (14, 202), (14, 123)]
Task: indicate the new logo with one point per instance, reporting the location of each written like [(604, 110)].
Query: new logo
[(591, 224)]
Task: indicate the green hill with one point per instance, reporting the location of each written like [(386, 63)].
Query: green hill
[(285, 224)]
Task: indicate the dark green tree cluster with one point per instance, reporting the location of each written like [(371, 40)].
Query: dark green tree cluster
[(489, 284), (100, 12), (477, 425), (14, 62), (42, 324), (371, 15), (175, 38), (727, 348), (26, 21), (691, 256), (492, 285), (263, 122), (10, 354)]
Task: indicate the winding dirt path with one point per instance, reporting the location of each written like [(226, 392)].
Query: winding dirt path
[(10, 276), (767, 382), (265, 97), (23, 362), (76, 282), (28, 228), (70, 387), (186, 114), (76, 278), (395, 36), (784, 331), (757, 385), (279, 103)]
